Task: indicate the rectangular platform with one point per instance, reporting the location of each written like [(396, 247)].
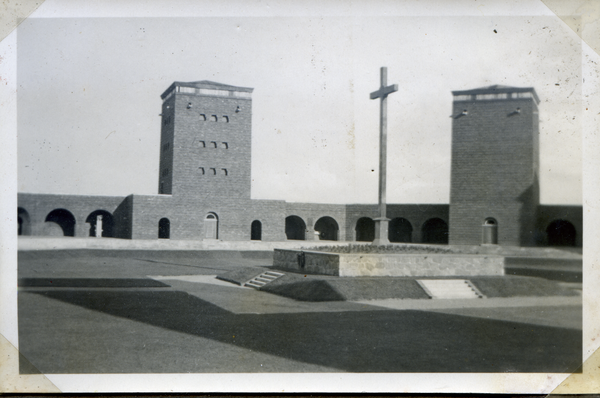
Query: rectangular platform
[(368, 264)]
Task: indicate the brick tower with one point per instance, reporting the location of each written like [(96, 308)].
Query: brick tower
[(206, 141), (494, 190)]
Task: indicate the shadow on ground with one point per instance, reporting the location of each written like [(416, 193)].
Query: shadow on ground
[(359, 341)]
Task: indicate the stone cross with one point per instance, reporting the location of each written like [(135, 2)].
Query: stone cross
[(382, 222)]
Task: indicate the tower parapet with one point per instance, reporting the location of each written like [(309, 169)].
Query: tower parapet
[(207, 88), (495, 92)]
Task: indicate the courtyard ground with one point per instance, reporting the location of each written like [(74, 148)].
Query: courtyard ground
[(140, 311)]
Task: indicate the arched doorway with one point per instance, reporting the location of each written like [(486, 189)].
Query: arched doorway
[(327, 228), (101, 223), (490, 231), (295, 228), (24, 227), (365, 230), (435, 230), (211, 226), (256, 230), (164, 228), (64, 219), (400, 230), (561, 233)]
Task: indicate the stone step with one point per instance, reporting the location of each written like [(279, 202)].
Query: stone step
[(262, 279), (273, 273), (253, 284), (450, 289)]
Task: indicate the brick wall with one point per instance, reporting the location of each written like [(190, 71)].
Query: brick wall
[(199, 169), (38, 206), (494, 169)]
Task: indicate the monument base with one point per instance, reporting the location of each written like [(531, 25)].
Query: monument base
[(368, 264)]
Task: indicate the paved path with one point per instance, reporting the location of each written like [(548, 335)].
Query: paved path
[(101, 313), (561, 311)]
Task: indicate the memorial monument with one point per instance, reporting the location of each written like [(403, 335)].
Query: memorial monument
[(382, 260), (382, 222)]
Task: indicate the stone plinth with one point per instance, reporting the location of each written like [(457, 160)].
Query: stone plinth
[(367, 264)]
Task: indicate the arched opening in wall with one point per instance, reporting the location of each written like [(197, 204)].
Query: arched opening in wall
[(327, 228), (295, 228), (164, 228), (63, 219), (211, 226), (101, 224), (490, 231), (24, 222), (256, 230), (365, 230), (561, 233), (400, 230), (435, 230)]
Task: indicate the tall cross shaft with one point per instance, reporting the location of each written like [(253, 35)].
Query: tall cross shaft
[(381, 223)]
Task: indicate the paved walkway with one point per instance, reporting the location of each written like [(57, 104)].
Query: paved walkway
[(564, 312), (86, 311)]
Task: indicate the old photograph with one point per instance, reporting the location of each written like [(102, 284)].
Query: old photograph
[(374, 192)]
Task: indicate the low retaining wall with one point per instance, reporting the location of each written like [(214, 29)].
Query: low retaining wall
[(342, 264)]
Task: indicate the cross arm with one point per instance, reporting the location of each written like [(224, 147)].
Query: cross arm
[(384, 91)]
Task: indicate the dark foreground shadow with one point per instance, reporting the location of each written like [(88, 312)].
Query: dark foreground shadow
[(90, 282), (367, 341)]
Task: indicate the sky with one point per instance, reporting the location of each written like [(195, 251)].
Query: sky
[(89, 99)]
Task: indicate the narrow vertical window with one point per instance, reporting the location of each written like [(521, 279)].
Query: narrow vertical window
[(201, 170), (202, 117), (225, 171), (213, 118), (226, 119), (225, 145), (202, 144), (214, 144), (214, 170)]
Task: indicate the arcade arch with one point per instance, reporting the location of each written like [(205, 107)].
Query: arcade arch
[(64, 219), (327, 228), (400, 230), (434, 230), (102, 219), (561, 233), (365, 230), (295, 228), (24, 221)]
